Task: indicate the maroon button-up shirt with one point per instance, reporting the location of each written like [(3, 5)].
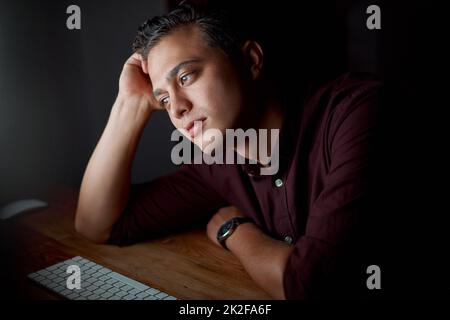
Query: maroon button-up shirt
[(314, 201)]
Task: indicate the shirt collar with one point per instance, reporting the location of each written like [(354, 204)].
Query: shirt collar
[(286, 141)]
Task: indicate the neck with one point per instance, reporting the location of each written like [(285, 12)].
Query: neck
[(271, 118)]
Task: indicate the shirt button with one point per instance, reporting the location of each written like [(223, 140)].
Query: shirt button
[(288, 239), (279, 183)]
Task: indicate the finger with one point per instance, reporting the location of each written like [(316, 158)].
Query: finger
[(135, 59)]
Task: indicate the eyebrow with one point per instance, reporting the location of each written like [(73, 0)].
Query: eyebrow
[(172, 73)]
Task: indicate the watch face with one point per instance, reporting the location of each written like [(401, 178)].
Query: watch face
[(225, 228)]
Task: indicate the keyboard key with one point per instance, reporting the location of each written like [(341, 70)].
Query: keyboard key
[(134, 291), (92, 288), (106, 286), (39, 278), (59, 288), (114, 290), (104, 271), (107, 295), (52, 276), (66, 292), (88, 280), (46, 282), (44, 273), (86, 293), (142, 295), (73, 295), (152, 291), (99, 291), (119, 284), (127, 288), (52, 285), (121, 293), (161, 295)]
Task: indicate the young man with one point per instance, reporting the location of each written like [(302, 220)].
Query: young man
[(296, 229)]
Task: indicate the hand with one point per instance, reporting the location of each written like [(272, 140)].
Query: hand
[(220, 217), (135, 82)]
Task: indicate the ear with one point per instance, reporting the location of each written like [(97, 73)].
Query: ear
[(253, 53)]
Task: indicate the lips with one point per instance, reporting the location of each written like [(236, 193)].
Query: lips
[(194, 126)]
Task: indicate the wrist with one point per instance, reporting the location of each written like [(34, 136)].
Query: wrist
[(228, 228), (131, 111), (140, 102), (243, 238)]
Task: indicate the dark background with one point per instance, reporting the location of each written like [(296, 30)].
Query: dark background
[(57, 87)]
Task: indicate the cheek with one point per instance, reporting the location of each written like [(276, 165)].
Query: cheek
[(175, 122), (223, 100)]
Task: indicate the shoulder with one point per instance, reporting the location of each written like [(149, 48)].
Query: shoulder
[(342, 93), (350, 92), (350, 87), (355, 80), (345, 107), (333, 100)]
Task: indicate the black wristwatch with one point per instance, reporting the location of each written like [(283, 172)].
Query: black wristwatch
[(227, 229)]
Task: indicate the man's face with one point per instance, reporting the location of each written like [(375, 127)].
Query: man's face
[(195, 82)]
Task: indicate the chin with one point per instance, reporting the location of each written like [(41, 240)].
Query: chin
[(207, 143), (208, 146)]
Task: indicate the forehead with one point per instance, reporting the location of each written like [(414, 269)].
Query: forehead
[(183, 44)]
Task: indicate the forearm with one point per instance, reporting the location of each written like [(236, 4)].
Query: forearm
[(105, 185), (263, 258)]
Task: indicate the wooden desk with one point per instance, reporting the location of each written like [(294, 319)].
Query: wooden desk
[(188, 265)]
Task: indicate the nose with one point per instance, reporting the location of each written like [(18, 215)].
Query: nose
[(180, 105)]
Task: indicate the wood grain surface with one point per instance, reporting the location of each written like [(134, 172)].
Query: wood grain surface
[(187, 265)]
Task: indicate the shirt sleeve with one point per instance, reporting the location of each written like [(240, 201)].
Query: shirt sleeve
[(334, 220), (171, 203)]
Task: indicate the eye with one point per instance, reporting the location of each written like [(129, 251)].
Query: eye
[(185, 78), (164, 101)]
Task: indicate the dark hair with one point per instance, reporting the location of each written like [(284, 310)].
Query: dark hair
[(216, 24)]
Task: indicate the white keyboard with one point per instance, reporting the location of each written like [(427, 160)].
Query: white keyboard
[(96, 283)]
